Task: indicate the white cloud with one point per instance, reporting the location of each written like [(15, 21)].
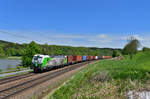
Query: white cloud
[(102, 36), (99, 40), (138, 37), (66, 36)]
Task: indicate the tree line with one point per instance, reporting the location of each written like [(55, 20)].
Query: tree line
[(28, 50), (15, 49)]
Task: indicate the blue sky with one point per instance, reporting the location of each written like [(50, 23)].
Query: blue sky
[(94, 23)]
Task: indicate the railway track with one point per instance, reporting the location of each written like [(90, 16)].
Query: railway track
[(8, 92), (13, 78)]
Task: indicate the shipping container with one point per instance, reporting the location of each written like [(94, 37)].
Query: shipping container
[(105, 57), (83, 58), (108, 57), (87, 58), (95, 57), (77, 58), (91, 57), (100, 57), (70, 59)]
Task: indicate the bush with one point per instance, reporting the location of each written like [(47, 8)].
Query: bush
[(101, 76), (18, 68)]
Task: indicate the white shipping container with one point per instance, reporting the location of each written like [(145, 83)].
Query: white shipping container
[(96, 57)]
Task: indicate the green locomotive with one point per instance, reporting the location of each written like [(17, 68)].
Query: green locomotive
[(42, 62)]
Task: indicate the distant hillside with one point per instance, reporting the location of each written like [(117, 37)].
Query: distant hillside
[(15, 49), (94, 48)]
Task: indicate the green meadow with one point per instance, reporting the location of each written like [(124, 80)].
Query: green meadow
[(108, 79)]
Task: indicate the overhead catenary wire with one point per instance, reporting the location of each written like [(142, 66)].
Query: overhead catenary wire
[(19, 36)]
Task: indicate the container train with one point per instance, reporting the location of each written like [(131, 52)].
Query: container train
[(46, 62)]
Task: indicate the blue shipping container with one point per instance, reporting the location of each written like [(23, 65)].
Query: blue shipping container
[(100, 57), (97, 57), (83, 58)]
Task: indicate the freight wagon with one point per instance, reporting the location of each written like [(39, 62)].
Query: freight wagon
[(87, 58), (77, 58), (101, 57), (84, 58), (107, 57), (70, 60), (96, 57)]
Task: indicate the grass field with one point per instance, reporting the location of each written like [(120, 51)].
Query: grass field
[(14, 57), (108, 79), (11, 57)]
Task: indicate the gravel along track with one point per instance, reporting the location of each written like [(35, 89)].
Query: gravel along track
[(15, 89), (13, 78)]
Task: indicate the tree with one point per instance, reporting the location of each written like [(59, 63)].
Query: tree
[(132, 47), (31, 50), (1, 51), (115, 53), (7, 52), (13, 51), (146, 49), (45, 49)]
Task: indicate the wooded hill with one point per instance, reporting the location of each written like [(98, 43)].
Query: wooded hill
[(15, 49)]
